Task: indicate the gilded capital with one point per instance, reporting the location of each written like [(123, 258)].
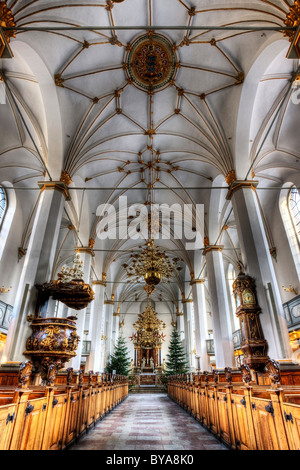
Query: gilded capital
[(55, 185), (243, 184), (85, 249), (197, 281), (99, 283), (210, 248)]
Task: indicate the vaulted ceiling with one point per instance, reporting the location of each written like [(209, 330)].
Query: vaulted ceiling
[(74, 104)]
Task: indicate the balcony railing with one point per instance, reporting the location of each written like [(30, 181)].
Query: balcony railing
[(236, 339), (292, 313), (210, 347), (86, 348), (5, 316)]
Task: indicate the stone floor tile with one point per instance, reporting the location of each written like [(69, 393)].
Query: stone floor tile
[(148, 422)]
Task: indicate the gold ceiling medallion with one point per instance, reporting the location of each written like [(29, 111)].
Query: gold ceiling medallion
[(151, 62), (6, 21)]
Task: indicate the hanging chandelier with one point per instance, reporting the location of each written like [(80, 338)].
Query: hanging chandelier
[(152, 264)]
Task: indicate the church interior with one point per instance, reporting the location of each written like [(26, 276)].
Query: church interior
[(149, 197)]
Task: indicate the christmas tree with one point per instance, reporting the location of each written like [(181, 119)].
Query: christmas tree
[(119, 361), (176, 361)]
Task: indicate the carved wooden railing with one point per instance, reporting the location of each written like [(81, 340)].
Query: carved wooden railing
[(242, 414), (54, 417)]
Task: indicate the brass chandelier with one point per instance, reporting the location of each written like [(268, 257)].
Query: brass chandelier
[(153, 265)]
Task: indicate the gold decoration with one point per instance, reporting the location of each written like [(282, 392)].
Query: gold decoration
[(4, 290), (53, 342), (65, 178), (148, 328), (151, 62), (293, 19), (152, 264), (6, 21), (290, 289), (231, 177)]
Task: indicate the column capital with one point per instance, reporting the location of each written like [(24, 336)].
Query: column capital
[(186, 301), (197, 281), (109, 302), (240, 184), (210, 248), (116, 314), (55, 185), (85, 249), (99, 283)]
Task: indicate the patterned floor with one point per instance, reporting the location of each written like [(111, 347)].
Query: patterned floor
[(148, 421)]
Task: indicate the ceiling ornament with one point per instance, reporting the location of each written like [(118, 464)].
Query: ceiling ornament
[(148, 328), (293, 19), (151, 62), (6, 21)]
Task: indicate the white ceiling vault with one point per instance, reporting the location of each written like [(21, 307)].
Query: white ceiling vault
[(72, 105)]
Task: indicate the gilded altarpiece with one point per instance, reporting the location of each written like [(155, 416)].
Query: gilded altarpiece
[(148, 341)]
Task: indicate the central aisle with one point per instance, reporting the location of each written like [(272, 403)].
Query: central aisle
[(148, 421)]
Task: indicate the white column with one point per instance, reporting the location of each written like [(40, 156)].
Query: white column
[(258, 262), (97, 313), (219, 307), (37, 267), (115, 328), (109, 322), (198, 290), (189, 332)]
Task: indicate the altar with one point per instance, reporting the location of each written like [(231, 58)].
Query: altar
[(147, 342), (147, 379)]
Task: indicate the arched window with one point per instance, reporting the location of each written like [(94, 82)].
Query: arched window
[(294, 208), (290, 212), (3, 204)]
